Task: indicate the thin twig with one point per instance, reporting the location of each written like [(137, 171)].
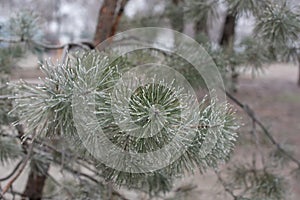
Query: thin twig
[(49, 147), (13, 171), (257, 144), (250, 113), (229, 191), (9, 184)]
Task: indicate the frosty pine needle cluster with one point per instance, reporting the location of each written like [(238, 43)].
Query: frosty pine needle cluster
[(154, 107)]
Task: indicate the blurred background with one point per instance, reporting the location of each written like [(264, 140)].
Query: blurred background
[(254, 44)]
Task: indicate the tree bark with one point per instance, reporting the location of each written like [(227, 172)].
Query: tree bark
[(201, 27), (105, 20), (227, 42), (108, 19), (35, 184), (118, 17), (228, 32), (201, 30)]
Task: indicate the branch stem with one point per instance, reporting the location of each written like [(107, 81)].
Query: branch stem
[(266, 132)]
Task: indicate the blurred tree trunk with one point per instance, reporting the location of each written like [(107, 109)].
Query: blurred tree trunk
[(177, 16), (227, 42), (228, 32), (118, 17), (36, 181), (201, 30), (108, 19), (200, 27), (35, 184)]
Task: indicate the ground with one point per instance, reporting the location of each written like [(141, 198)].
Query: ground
[(275, 98)]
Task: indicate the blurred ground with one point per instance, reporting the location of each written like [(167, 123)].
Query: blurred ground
[(275, 98)]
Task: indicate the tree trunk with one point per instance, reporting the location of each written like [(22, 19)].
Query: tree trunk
[(108, 19), (201, 27), (35, 184), (228, 32), (227, 41), (118, 17), (200, 30), (177, 16), (105, 21)]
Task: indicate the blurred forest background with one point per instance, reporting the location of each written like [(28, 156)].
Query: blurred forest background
[(255, 46)]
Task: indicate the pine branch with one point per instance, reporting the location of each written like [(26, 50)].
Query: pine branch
[(113, 192), (250, 113), (51, 148)]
